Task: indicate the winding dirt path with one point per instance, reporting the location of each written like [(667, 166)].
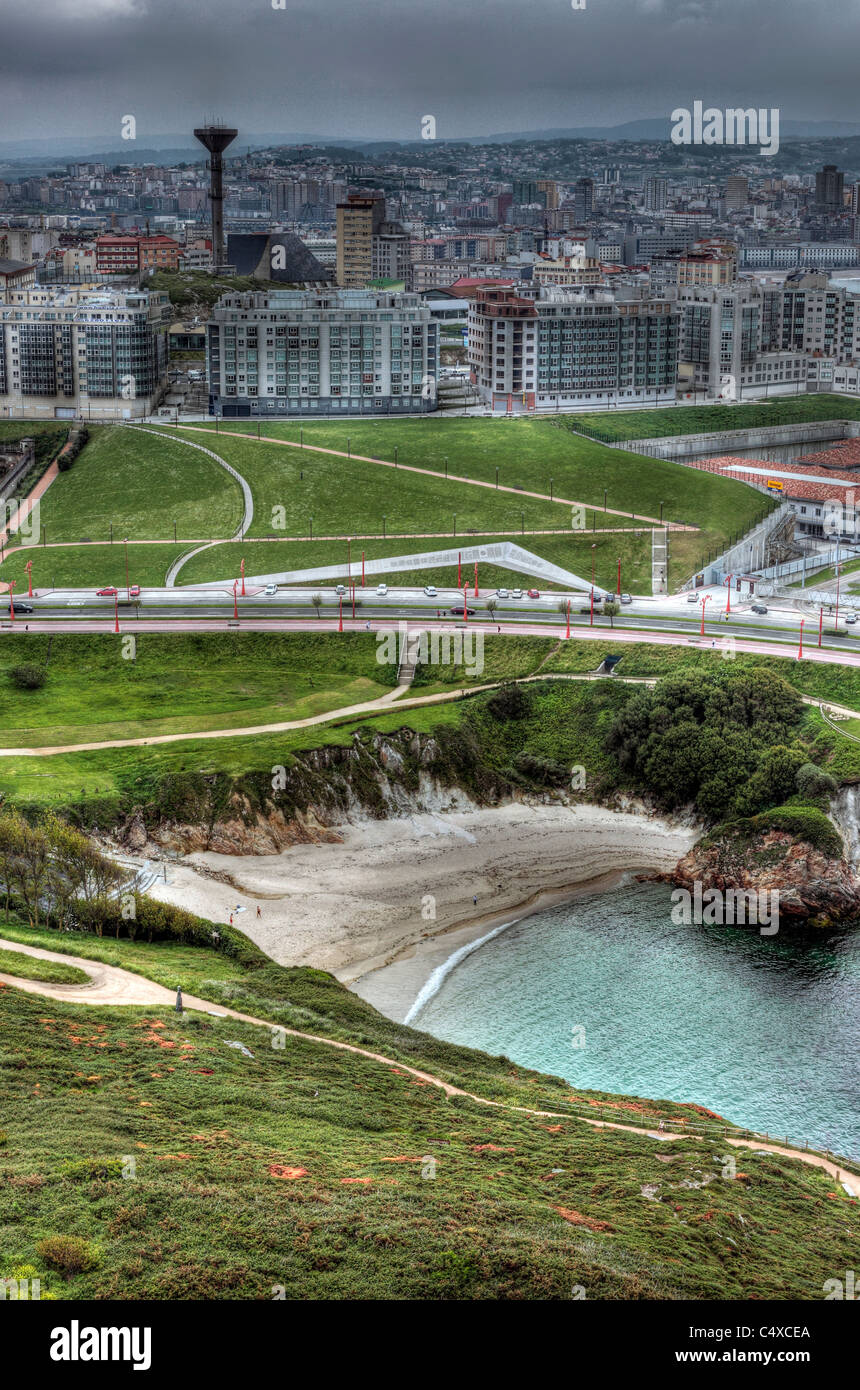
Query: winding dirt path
[(111, 985)]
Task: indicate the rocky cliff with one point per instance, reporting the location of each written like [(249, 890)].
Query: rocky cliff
[(815, 882)]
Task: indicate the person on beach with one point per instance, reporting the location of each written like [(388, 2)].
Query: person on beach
[(475, 902), (259, 913), (231, 919)]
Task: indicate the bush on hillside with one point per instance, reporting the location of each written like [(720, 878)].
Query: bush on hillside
[(510, 702), (28, 677)]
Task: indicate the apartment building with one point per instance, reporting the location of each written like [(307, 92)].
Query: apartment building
[(569, 348), (343, 352), (77, 351), (127, 255)]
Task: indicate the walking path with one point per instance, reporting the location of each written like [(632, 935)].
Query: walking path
[(247, 497), (111, 985), (26, 506), (405, 676)]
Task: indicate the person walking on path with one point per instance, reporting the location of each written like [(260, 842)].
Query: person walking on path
[(179, 999), (259, 913)]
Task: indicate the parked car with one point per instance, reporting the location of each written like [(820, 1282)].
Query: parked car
[(502, 593), (516, 593), (382, 590), (534, 593), (626, 598), (134, 591), (458, 612), (430, 591), (758, 608), (340, 588), (693, 598), (270, 590), (21, 608), (109, 591), (851, 618)]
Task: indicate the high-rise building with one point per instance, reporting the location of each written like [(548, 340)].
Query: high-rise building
[(358, 222), (341, 351), (549, 189), (655, 194), (368, 247), (583, 200), (528, 191), (737, 193), (829, 184)]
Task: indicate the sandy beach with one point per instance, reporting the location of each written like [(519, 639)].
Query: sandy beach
[(397, 896)]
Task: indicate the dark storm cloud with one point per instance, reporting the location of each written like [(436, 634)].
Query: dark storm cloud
[(375, 67)]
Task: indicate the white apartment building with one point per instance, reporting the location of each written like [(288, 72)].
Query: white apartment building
[(340, 351), (92, 352)]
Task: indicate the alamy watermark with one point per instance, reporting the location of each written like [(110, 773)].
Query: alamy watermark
[(462, 647), (734, 126), (736, 905)]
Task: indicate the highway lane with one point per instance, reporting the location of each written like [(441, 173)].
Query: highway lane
[(828, 653), (162, 609)]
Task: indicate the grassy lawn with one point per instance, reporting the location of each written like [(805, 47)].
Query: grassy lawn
[(90, 566), (704, 419), (335, 1176), (48, 971), (142, 485), (346, 496), (103, 783), (530, 452), (180, 683), (571, 552)]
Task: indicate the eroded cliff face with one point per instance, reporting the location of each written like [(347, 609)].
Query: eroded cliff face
[(304, 803), (812, 886)]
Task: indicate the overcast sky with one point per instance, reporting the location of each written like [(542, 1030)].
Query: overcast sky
[(373, 68)]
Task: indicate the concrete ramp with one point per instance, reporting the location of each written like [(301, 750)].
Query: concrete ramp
[(506, 554)]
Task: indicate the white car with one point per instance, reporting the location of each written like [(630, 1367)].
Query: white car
[(340, 588), (382, 590), (270, 590), (692, 598), (516, 593), (502, 593), (430, 591)]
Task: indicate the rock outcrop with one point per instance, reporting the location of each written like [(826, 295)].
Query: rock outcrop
[(812, 886)]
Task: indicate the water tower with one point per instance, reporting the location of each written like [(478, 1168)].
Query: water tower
[(216, 138)]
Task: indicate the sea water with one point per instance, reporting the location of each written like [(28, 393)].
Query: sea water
[(609, 993)]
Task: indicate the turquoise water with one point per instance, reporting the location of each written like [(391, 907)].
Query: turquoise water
[(764, 1030)]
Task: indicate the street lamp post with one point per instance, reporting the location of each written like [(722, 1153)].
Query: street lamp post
[(235, 604), (728, 594), (705, 600), (800, 649), (127, 586)]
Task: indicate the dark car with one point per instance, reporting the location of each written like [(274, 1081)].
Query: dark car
[(21, 608), (758, 608), (458, 612)]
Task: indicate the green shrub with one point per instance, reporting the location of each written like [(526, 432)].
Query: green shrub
[(510, 702), (69, 1254), (814, 784), (28, 677)]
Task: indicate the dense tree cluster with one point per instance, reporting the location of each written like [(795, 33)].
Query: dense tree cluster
[(727, 743)]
